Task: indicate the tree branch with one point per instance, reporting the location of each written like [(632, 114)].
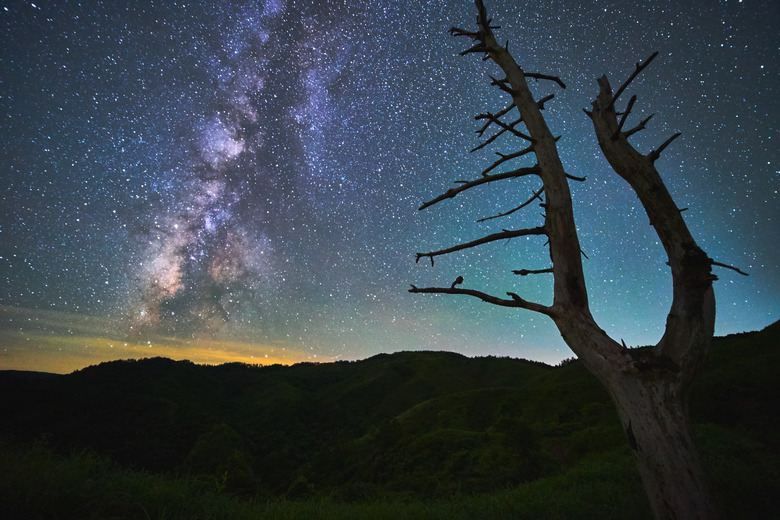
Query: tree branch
[(655, 154), (515, 300), (465, 185), (492, 117), (637, 128), (544, 100), (490, 120), (507, 157), (729, 267), (625, 116), (502, 84), (510, 128), (504, 128), (480, 47), (691, 319), (536, 75), (455, 31), (526, 272), (639, 68), (535, 196), (504, 234)]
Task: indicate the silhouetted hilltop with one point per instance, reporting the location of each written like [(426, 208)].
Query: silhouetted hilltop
[(411, 423)]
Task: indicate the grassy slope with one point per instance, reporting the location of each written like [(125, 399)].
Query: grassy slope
[(495, 438)]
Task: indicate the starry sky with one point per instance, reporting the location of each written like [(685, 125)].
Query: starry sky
[(239, 181)]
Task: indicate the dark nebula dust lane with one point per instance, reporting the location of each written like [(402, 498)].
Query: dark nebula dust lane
[(248, 173)]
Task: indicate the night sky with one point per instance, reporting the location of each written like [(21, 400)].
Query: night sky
[(227, 181)]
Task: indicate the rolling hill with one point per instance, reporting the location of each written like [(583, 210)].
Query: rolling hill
[(398, 427)]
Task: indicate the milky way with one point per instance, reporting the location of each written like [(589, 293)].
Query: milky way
[(251, 171), (207, 254)]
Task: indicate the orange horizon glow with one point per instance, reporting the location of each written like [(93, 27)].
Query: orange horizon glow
[(57, 354), (62, 342)]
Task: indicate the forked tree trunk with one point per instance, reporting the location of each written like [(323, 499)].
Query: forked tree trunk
[(648, 386), (653, 402)]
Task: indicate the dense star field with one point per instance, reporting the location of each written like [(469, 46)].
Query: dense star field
[(234, 180)]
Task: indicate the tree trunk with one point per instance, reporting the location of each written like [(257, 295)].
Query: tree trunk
[(654, 414), (650, 391), (649, 386)]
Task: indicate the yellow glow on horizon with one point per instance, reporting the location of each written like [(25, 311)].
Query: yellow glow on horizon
[(22, 350)]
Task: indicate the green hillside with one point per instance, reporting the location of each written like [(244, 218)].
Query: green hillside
[(404, 429)]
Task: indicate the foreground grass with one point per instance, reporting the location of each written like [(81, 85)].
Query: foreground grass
[(37, 483)]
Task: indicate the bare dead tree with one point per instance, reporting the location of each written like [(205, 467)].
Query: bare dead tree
[(650, 386)]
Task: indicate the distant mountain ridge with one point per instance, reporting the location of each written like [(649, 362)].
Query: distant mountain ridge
[(406, 424)]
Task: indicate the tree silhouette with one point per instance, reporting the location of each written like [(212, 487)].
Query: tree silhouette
[(649, 386)]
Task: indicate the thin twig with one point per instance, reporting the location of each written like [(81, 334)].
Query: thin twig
[(639, 68)]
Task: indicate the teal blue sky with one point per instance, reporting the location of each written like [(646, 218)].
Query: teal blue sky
[(251, 171)]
